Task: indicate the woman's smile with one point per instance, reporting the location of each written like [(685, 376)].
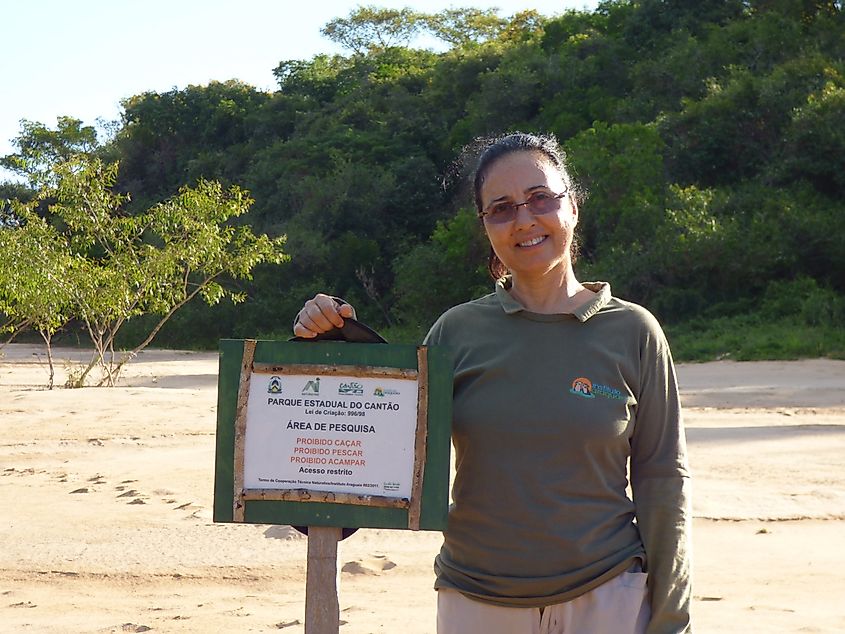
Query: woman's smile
[(532, 242)]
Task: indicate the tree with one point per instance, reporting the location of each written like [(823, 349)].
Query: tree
[(448, 269), (34, 293), (621, 166), (461, 27), (111, 267), (815, 142), (368, 28), (39, 147), (183, 135)]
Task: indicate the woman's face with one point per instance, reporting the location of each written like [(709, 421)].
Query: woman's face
[(529, 246)]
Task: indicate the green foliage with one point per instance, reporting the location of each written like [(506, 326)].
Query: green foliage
[(91, 261), (39, 147), (447, 270), (709, 136), (815, 141), (464, 27), (793, 319), (180, 136), (33, 292), (676, 260), (740, 124), (621, 166), (369, 27), (747, 338)]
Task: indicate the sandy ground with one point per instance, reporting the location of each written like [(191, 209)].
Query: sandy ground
[(106, 498)]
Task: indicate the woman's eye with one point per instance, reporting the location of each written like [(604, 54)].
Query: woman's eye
[(500, 209), (539, 196)]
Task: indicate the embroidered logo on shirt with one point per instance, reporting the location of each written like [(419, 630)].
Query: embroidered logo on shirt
[(585, 388), (582, 387)]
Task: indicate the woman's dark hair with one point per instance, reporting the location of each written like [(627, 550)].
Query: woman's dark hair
[(494, 148)]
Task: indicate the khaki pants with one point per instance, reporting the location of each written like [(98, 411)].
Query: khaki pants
[(619, 606)]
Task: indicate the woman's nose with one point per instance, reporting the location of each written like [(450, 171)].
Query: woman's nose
[(524, 216)]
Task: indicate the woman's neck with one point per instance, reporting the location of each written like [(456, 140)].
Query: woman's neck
[(552, 293)]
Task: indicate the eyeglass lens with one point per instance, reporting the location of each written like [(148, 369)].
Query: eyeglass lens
[(537, 204)]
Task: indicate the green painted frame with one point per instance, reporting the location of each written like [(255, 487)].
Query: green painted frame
[(434, 502)]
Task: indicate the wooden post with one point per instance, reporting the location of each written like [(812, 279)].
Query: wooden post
[(322, 609), (240, 429), (420, 439)]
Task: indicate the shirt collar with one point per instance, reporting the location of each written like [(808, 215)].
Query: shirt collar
[(583, 312)]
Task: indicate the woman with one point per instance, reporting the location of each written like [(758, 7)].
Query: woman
[(558, 385)]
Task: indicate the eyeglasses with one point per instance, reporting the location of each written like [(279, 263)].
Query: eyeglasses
[(538, 203)]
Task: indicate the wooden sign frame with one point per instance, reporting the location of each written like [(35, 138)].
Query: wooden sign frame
[(430, 367)]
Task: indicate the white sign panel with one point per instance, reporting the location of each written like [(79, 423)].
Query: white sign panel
[(339, 434)]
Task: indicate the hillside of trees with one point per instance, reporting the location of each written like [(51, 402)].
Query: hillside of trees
[(710, 137)]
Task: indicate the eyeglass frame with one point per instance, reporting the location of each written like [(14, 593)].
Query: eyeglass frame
[(527, 204)]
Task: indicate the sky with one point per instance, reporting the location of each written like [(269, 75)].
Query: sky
[(81, 57)]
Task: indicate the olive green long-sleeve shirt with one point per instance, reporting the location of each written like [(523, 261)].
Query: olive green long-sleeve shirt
[(548, 411)]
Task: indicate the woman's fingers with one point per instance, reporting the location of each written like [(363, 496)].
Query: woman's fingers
[(319, 315), (301, 331)]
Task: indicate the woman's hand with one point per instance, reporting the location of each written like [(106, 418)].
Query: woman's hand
[(320, 315)]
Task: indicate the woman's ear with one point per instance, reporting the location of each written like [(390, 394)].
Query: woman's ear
[(574, 209)]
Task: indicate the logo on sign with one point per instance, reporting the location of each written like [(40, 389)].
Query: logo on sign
[(351, 388), (275, 386), (312, 388), (382, 392)]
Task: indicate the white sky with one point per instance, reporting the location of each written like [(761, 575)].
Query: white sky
[(81, 57)]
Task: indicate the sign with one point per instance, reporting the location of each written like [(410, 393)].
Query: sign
[(333, 434)]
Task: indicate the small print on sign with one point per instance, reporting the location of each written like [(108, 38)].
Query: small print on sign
[(331, 434)]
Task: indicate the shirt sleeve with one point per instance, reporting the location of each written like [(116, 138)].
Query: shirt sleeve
[(660, 482), (435, 333)]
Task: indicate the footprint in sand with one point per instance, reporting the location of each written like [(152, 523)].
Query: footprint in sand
[(373, 565), (131, 627), (23, 604), (82, 490), (131, 493), (189, 506), (284, 624), (195, 511)]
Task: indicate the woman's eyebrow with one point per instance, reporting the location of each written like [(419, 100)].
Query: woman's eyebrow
[(525, 191), (495, 200)]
